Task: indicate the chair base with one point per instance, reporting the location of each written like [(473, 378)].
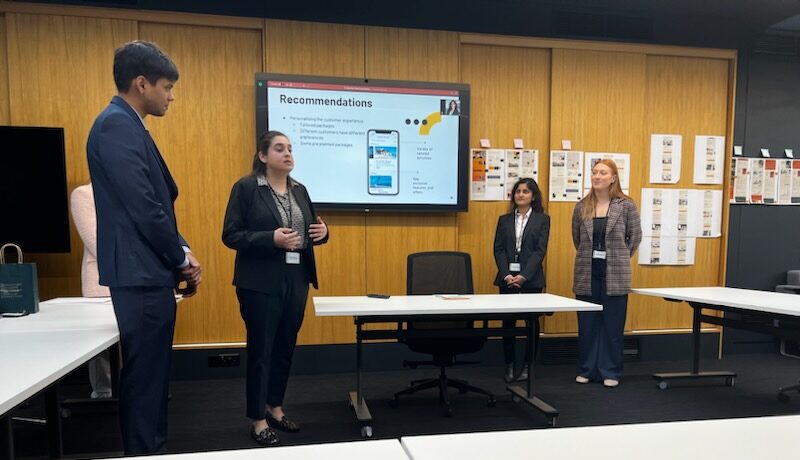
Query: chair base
[(443, 383)]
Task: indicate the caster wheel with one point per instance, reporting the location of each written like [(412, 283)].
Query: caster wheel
[(783, 397), (66, 413), (366, 431), (663, 385), (492, 402), (515, 398), (730, 381)]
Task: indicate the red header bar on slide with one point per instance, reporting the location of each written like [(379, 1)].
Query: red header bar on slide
[(361, 89)]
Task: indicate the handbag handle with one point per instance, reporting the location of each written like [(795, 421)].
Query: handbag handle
[(3, 252)]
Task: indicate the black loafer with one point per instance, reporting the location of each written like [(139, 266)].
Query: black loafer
[(284, 424), (266, 437)]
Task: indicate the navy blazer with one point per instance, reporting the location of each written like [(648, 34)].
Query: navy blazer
[(534, 247), (250, 223), (138, 243)]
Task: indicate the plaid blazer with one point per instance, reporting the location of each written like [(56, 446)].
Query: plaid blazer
[(623, 235)]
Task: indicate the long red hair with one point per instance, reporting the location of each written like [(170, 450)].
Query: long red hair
[(614, 191)]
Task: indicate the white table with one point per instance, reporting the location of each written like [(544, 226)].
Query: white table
[(766, 312), (37, 350), (730, 439), (388, 449), (479, 307)]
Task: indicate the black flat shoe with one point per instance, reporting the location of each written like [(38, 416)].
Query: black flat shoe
[(284, 424), (266, 437)]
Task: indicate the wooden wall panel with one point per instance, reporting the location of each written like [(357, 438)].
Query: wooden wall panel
[(419, 55), (207, 139), (40, 48), (308, 48), (329, 50), (686, 96), (510, 98), (597, 103), (5, 117)]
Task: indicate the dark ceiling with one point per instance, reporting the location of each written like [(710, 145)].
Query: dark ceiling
[(720, 23)]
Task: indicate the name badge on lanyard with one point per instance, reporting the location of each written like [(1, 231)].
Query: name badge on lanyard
[(598, 254), (292, 258), (515, 266)]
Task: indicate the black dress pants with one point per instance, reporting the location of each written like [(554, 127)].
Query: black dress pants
[(273, 321), (146, 320)]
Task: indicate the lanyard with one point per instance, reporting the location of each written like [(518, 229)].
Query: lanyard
[(519, 230), (601, 245), (287, 213)]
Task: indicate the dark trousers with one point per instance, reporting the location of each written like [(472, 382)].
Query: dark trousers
[(146, 319), (273, 321), (601, 334), (509, 342)]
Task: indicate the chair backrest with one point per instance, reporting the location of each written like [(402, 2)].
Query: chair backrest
[(439, 272)]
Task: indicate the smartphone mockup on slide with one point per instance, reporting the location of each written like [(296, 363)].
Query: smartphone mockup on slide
[(383, 162)]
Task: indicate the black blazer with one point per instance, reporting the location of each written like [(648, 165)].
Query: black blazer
[(250, 222), (138, 243), (534, 248)]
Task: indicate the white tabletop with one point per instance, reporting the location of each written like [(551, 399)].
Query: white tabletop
[(764, 301), (31, 361), (448, 305), (388, 449), (731, 439), (65, 314)]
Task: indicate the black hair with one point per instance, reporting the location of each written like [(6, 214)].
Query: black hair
[(142, 58), (536, 200), (264, 143)]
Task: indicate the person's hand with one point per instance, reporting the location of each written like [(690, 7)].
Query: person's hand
[(318, 230), (516, 281), (286, 238), (192, 273), (509, 279), (186, 291)]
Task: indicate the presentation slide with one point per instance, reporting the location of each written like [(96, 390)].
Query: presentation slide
[(357, 144)]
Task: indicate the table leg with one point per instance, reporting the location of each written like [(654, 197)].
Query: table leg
[(53, 416), (527, 395), (355, 398), (664, 377), (6, 437)]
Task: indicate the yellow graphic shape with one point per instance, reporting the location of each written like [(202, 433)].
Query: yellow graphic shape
[(431, 120)]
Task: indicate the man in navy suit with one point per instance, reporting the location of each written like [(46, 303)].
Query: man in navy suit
[(141, 256)]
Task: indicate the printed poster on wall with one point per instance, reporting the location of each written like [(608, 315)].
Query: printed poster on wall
[(708, 159), (665, 158), (741, 180), (495, 171), (757, 180), (666, 251), (785, 181), (566, 169), (771, 181), (681, 213), (795, 195), (622, 161)]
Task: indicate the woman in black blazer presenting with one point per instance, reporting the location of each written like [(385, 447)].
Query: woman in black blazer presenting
[(271, 223), (520, 244)]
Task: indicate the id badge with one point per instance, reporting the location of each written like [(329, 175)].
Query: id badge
[(293, 258), (598, 254), (514, 267)]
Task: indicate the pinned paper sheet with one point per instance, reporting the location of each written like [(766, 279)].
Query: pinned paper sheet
[(485, 143), (566, 144), (765, 153), (789, 153), (737, 150), (518, 144)]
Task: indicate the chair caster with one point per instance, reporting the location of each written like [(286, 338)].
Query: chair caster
[(66, 413), (515, 398), (663, 385), (730, 381), (492, 402)]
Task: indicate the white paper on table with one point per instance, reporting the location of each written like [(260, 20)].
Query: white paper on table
[(566, 169), (770, 181), (757, 180), (73, 300), (741, 180), (520, 164), (665, 158), (708, 159), (666, 251), (785, 181), (622, 161)]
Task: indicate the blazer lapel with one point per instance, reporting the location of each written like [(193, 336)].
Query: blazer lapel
[(614, 213), (266, 196)]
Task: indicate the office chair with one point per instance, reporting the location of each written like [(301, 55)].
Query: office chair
[(441, 272), (792, 286)]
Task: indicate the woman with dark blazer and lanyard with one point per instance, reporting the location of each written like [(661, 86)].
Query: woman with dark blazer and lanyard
[(520, 244), (271, 223), (606, 231)]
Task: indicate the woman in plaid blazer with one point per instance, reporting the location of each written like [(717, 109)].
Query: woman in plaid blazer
[(606, 231)]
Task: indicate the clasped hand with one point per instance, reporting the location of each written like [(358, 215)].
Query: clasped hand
[(515, 281), (192, 274)]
